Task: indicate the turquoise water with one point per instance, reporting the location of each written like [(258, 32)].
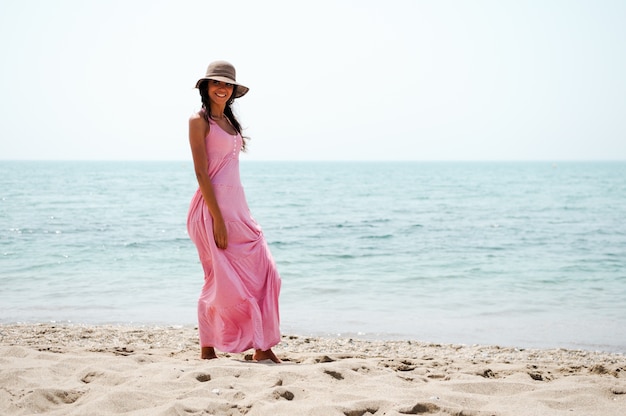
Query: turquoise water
[(523, 254)]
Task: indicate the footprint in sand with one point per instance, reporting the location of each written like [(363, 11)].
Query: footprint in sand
[(420, 408), (334, 374), (42, 400), (202, 377), (90, 376), (283, 393)]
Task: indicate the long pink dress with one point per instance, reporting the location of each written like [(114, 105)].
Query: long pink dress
[(238, 306)]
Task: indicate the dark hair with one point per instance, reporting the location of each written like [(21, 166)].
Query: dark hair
[(228, 111)]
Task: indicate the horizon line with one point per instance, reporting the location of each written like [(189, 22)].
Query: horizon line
[(336, 160)]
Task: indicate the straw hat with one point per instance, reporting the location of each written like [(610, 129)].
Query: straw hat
[(225, 72)]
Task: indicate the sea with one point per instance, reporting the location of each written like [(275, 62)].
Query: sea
[(521, 254)]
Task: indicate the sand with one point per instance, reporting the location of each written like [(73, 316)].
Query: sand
[(131, 370)]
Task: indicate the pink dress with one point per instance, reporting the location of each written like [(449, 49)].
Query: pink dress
[(238, 306)]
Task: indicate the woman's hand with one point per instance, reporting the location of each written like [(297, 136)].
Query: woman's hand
[(220, 234)]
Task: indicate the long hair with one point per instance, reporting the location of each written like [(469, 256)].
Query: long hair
[(228, 111)]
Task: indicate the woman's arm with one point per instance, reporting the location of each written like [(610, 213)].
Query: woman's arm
[(198, 129)]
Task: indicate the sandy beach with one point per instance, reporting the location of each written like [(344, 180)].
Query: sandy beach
[(112, 370)]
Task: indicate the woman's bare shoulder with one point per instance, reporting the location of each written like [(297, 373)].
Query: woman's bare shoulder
[(196, 117), (197, 121)]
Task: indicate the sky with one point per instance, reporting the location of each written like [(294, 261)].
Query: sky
[(424, 80)]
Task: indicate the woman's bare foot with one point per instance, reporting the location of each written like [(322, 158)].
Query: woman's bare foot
[(207, 353), (265, 355)]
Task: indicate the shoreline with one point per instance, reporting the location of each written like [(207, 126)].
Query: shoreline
[(75, 369), (332, 335), (150, 336)]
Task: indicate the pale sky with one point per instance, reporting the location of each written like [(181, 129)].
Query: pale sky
[(329, 80)]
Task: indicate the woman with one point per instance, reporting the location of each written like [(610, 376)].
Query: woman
[(238, 306)]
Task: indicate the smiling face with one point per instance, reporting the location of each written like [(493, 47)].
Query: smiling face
[(220, 92)]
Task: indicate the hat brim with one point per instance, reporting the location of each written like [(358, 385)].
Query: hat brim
[(241, 89)]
